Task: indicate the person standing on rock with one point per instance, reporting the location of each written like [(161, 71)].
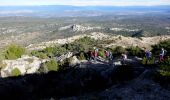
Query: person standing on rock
[(91, 55), (162, 54), (95, 53), (106, 54), (110, 58), (110, 55), (148, 55)]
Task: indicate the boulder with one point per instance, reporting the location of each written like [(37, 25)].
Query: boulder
[(74, 61), (26, 65), (64, 56)]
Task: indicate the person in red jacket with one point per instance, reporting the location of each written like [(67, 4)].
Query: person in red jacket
[(106, 54)]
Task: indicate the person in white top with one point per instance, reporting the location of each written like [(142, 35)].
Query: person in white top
[(124, 58)]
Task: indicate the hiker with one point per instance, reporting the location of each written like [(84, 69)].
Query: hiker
[(162, 54), (106, 54), (95, 53), (110, 58), (110, 55), (91, 55), (148, 55), (124, 58)]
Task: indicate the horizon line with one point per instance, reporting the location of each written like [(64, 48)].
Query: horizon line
[(87, 5)]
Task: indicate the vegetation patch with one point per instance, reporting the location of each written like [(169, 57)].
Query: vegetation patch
[(49, 66), (13, 52), (16, 72)]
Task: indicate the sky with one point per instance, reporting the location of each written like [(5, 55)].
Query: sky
[(85, 2)]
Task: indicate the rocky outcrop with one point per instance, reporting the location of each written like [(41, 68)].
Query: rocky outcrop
[(25, 64), (77, 27), (80, 28), (64, 56), (43, 45), (74, 61)]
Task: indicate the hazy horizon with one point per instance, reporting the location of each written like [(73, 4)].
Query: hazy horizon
[(85, 2)]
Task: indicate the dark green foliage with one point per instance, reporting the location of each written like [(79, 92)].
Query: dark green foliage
[(50, 66), (82, 56), (14, 52), (144, 61), (39, 54), (151, 61), (54, 51), (119, 50), (165, 67), (135, 51), (157, 48), (83, 44), (49, 52), (15, 72)]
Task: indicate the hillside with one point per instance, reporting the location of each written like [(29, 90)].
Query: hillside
[(32, 30), (62, 52), (66, 71), (108, 41)]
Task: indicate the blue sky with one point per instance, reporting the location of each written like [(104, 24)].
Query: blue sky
[(86, 2)]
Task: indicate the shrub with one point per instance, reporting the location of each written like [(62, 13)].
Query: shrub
[(135, 51), (82, 56), (148, 62), (164, 67), (164, 44), (144, 61), (58, 50), (16, 72), (14, 52), (50, 66), (119, 50), (39, 54)]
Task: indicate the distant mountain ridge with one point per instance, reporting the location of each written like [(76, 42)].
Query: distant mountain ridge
[(65, 10)]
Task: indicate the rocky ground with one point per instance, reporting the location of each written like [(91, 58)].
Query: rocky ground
[(87, 81)]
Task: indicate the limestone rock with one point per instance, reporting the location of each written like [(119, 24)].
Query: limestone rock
[(26, 65), (64, 56), (74, 61)]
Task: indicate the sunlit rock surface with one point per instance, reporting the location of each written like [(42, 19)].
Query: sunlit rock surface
[(26, 65)]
